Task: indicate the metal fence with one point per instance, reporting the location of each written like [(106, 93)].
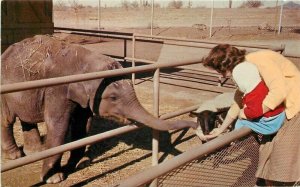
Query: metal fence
[(231, 166), (96, 75), (224, 161), (204, 18)]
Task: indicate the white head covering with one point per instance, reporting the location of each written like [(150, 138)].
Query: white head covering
[(218, 103), (246, 76)]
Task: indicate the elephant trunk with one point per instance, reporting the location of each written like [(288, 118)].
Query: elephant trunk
[(140, 115)]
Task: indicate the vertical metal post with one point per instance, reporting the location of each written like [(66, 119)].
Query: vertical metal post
[(125, 50), (152, 15), (155, 133), (276, 17), (99, 16), (133, 58), (211, 17), (280, 17)]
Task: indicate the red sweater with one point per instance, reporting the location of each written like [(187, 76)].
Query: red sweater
[(253, 101)]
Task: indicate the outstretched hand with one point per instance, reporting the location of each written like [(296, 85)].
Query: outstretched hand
[(214, 133), (200, 134)]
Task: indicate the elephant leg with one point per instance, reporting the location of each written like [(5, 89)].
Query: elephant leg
[(32, 138), (80, 124), (9, 147), (57, 126), (51, 170)]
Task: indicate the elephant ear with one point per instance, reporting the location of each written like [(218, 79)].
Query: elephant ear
[(78, 94)]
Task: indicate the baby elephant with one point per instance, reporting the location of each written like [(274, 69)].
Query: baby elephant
[(68, 107)]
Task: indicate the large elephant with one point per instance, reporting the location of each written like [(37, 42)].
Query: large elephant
[(65, 105)]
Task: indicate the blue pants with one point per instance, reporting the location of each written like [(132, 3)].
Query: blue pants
[(263, 125)]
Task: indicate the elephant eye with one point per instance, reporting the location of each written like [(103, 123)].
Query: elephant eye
[(113, 98)]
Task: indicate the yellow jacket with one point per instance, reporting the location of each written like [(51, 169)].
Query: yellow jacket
[(282, 78)]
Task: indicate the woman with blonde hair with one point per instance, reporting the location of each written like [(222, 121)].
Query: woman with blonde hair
[(279, 157)]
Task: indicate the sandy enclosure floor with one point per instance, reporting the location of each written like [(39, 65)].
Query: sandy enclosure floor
[(120, 157)]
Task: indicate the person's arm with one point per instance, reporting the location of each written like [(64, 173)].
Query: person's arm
[(232, 114), (217, 131)]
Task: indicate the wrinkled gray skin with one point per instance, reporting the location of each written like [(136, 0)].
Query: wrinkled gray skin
[(64, 107)]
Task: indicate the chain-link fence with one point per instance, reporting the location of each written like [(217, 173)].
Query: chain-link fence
[(234, 165)]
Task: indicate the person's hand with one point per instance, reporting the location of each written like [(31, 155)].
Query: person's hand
[(214, 133), (200, 134)]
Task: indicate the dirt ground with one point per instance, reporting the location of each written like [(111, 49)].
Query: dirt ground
[(117, 158)]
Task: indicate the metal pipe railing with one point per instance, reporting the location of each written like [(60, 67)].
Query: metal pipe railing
[(179, 112), (153, 38), (206, 71), (94, 31), (155, 133), (7, 88), (114, 36), (212, 45), (196, 152), (66, 147), (82, 142), (281, 48), (133, 58)]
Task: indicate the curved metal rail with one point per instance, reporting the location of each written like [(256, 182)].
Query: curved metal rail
[(196, 152), (83, 142), (86, 77)]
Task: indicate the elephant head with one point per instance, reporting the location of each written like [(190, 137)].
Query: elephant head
[(115, 98), (119, 100)]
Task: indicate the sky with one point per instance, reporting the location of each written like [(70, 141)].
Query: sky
[(164, 3)]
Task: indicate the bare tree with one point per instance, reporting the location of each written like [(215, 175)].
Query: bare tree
[(135, 4), (190, 4), (59, 5), (125, 4), (75, 5), (175, 4), (252, 4)]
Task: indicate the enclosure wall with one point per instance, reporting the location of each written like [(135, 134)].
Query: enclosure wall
[(24, 18)]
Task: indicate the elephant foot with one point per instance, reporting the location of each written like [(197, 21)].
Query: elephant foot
[(12, 154), (32, 138), (83, 163), (56, 178)]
